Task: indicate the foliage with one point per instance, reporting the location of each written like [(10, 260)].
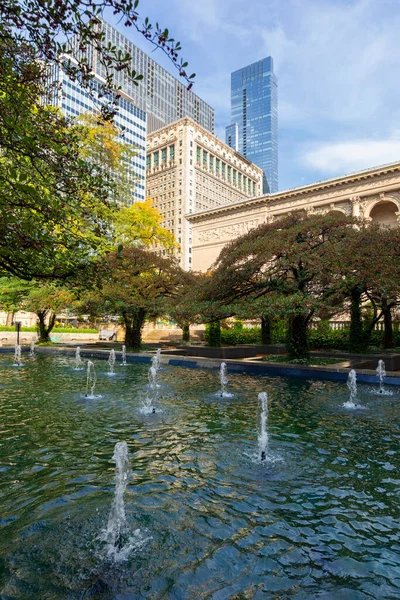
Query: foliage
[(135, 284), (101, 145), (279, 270), (54, 204), (140, 224), (56, 201), (246, 335), (313, 361), (50, 29), (212, 334)]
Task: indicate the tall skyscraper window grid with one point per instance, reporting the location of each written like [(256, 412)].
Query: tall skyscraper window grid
[(74, 100), (254, 118), (160, 94)]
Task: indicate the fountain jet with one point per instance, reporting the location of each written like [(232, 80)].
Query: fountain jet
[(151, 400), (78, 359), (111, 362), (116, 526), (381, 373), (123, 363), (17, 356), (352, 385), (223, 377), (90, 380), (155, 361), (262, 425), (32, 348)]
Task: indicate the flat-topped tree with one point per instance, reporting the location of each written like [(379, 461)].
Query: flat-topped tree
[(135, 284), (366, 267), (280, 268)]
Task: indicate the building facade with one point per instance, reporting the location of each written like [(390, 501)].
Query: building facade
[(130, 120), (159, 94), (372, 194), (190, 170), (254, 108)]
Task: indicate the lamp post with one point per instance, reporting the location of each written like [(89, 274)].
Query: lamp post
[(18, 329)]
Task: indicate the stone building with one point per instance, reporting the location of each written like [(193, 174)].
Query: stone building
[(190, 170), (372, 194)]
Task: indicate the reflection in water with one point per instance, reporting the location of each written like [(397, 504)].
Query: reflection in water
[(222, 525)]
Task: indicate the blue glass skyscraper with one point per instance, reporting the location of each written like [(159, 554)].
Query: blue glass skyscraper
[(254, 107)]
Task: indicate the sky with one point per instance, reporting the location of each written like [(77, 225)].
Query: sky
[(338, 69)]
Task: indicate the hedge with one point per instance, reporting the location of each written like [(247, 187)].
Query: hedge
[(54, 330)]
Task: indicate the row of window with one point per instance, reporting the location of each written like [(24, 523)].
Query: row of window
[(219, 167), (160, 157)]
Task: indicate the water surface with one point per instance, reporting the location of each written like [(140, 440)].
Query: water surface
[(322, 521)]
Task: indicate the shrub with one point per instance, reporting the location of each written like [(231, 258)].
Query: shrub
[(247, 335), (212, 334)]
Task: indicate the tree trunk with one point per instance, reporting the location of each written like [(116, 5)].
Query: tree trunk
[(356, 337), (133, 328), (10, 318), (186, 333), (388, 339), (265, 330), (45, 330), (297, 338)]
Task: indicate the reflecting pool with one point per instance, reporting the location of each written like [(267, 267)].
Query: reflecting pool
[(320, 518)]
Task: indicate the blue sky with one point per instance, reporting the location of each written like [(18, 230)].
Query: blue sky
[(337, 64)]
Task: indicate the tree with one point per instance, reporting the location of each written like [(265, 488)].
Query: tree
[(135, 285), (366, 267), (103, 147), (54, 204), (44, 299), (140, 225), (279, 269), (51, 28)]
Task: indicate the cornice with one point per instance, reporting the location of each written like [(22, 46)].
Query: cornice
[(274, 199)]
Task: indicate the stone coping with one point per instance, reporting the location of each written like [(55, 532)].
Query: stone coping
[(337, 372)]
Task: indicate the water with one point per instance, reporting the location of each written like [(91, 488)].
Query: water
[(381, 373), (223, 377), (78, 360), (155, 361), (17, 356), (120, 542), (32, 348), (262, 425), (323, 523), (91, 380), (123, 358), (151, 400), (352, 385), (111, 362)]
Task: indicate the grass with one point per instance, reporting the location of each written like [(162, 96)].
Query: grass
[(54, 330), (313, 361)]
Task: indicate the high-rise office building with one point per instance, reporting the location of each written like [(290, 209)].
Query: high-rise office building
[(74, 100), (190, 170), (159, 94), (254, 108)]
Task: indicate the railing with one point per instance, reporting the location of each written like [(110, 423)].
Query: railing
[(345, 325)]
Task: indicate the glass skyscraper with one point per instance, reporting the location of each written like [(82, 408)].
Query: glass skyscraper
[(74, 100), (254, 108), (163, 97)]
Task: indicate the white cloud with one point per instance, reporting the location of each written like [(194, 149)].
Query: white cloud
[(348, 156)]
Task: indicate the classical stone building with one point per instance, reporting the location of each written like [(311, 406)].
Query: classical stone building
[(373, 194), (190, 170)]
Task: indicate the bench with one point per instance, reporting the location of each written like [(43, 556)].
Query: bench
[(107, 335)]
